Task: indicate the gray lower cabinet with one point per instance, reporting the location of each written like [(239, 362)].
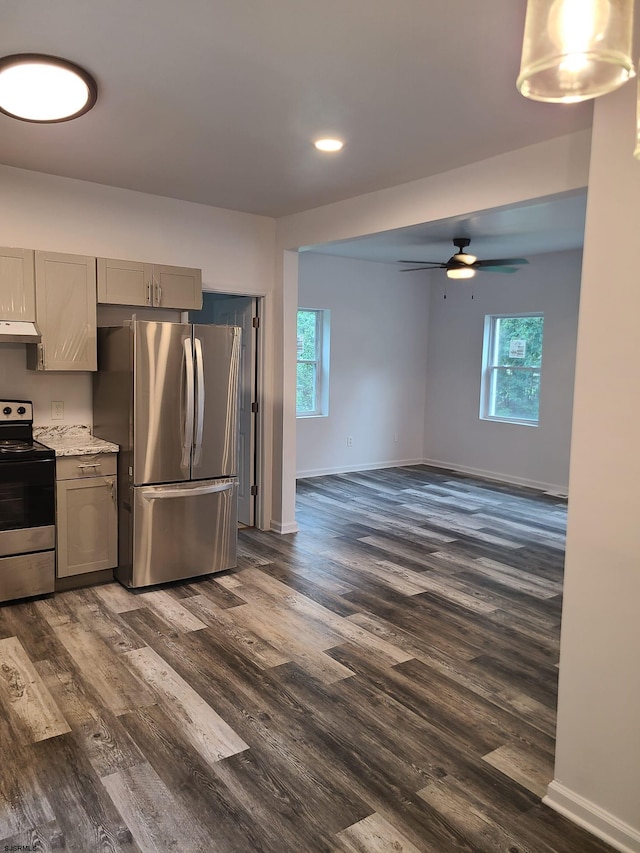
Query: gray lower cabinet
[(86, 514)]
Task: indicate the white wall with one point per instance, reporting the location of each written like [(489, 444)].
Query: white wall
[(597, 777), (235, 251), (18, 383), (454, 434), (598, 739), (537, 171), (378, 359)]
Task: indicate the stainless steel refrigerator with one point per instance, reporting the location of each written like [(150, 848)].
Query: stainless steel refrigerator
[(167, 393)]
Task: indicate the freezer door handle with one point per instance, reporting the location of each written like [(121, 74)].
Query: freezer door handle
[(159, 492), (188, 403), (197, 450)]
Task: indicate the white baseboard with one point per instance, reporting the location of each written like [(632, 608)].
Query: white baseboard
[(555, 489), (550, 488), (620, 835), (286, 527), (348, 469)]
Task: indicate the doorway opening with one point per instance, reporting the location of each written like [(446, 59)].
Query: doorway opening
[(229, 310)]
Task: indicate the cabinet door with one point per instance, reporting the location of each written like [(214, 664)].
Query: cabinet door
[(177, 287), (17, 290), (86, 525), (66, 311), (124, 282)]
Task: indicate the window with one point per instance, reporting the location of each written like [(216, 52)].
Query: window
[(312, 389), (511, 364)]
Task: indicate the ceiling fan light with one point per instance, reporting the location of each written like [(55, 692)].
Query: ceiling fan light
[(461, 272), (464, 258), (44, 89), (574, 50)]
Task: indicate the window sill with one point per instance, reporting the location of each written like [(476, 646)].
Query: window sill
[(307, 415), (509, 421)]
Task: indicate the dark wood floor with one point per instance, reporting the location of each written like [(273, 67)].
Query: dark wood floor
[(384, 680)]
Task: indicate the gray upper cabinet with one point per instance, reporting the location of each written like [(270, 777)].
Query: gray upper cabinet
[(65, 313), (155, 285), (124, 282), (178, 287), (17, 288)]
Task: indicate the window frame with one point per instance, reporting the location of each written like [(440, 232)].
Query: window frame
[(320, 363), (490, 368)]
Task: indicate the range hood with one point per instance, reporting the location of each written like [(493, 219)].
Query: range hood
[(18, 332)]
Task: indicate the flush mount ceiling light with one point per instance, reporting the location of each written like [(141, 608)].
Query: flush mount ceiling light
[(331, 145), (574, 50), (45, 89)]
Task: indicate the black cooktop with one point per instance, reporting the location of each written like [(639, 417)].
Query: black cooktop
[(16, 433), (13, 450)]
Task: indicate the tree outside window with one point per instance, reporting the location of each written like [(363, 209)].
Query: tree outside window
[(512, 365), (312, 362)]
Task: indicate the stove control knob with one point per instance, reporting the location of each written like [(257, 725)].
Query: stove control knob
[(6, 410), (21, 410)]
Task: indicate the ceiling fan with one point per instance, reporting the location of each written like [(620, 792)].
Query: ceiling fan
[(464, 265)]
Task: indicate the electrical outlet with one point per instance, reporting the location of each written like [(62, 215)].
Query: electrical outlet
[(57, 410), (349, 441)]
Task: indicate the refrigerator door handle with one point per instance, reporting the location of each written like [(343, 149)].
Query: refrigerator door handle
[(199, 401), (158, 492), (188, 403)]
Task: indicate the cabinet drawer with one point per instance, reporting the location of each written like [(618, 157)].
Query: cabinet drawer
[(94, 465)]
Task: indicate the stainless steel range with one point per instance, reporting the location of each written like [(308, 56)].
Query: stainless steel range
[(27, 506)]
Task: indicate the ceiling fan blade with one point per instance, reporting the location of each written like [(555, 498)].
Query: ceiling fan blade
[(423, 269), (497, 269), (433, 263), (502, 262)]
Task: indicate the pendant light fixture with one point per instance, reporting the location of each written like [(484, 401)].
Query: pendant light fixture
[(44, 89), (574, 50)]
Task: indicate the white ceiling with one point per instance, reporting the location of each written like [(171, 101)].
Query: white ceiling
[(553, 225), (217, 101)]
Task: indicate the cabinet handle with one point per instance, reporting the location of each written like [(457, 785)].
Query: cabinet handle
[(90, 465), (158, 292), (149, 297), (112, 487), (40, 356)]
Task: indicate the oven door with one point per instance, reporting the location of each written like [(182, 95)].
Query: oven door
[(27, 506)]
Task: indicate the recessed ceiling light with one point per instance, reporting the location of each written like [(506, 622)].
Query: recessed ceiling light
[(39, 88), (328, 144)]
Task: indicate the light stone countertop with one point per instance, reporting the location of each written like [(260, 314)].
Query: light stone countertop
[(72, 440)]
